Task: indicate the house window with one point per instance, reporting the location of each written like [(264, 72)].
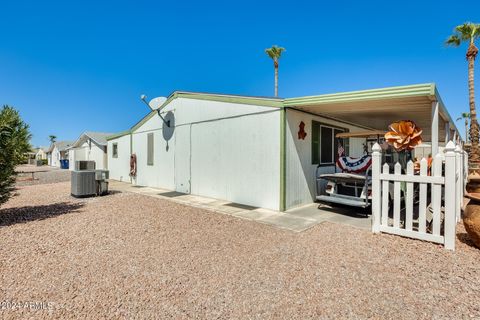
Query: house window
[(115, 150), (150, 149), (325, 145)]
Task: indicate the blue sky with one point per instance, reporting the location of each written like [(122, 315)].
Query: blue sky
[(74, 66)]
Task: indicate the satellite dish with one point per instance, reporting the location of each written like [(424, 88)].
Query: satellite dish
[(157, 102)]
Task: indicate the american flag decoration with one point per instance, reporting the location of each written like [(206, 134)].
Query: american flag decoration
[(354, 165), (340, 150)]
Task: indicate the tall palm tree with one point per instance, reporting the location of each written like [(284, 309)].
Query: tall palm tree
[(52, 138), (469, 32), (275, 52), (465, 116)]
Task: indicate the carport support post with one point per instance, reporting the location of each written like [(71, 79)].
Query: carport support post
[(447, 132), (376, 194), (434, 131)]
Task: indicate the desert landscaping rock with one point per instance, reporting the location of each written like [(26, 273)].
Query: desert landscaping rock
[(42, 175), (132, 256)]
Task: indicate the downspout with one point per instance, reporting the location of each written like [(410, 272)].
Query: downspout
[(283, 157), (131, 152)]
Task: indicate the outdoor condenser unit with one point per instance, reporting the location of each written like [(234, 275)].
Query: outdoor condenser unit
[(88, 182), (83, 183), (84, 165)]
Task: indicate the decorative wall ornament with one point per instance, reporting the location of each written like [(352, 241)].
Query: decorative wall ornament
[(133, 165), (404, 135), (301, 131)]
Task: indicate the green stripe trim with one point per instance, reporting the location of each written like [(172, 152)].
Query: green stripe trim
[(365, 95), (264, 102), (283, 158), (118, 135)]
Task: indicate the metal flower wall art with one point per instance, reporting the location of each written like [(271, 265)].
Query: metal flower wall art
[(404, 135), (301, 131)]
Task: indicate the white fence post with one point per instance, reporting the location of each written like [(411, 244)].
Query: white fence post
[(436, 195), (450, 196), (459, 181), (376, 191)]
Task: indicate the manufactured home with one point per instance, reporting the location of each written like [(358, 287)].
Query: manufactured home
[(41, 153), (90, 146), (58, 151), (264, 152)]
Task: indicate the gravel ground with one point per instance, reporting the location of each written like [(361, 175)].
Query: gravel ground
[(132, 256), (43, 175)]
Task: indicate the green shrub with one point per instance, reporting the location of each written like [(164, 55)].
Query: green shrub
[(14, 143)]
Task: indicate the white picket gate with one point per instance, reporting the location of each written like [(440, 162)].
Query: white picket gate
[(408, 194)]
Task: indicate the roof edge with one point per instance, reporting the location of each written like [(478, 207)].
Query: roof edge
[(426, 89), (118, 135)]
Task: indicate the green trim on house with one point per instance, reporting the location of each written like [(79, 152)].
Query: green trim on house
[(264, 102), (118, 135), (365, 95), (143, 121), (283, 160)]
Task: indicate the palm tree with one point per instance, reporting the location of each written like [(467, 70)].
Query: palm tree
[(275, 52), (469, 32), (52, 138), (465, 116)]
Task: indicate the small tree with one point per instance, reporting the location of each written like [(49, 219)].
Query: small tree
[(52, 138), (14, 143)]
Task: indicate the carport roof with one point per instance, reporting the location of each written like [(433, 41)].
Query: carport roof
[(377, 108)]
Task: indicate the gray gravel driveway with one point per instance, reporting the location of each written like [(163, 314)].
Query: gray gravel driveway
[(131, 256)]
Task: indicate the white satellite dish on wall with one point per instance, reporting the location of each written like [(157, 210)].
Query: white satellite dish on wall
[(157, 102)]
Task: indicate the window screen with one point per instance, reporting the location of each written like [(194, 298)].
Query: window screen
[(326, 145), (150, 149), (115, 150), (315, 142)]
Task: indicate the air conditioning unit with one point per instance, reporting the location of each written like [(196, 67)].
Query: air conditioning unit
[(101, 177), (87, 183), (83, 183), (84, 165), (101, 174)]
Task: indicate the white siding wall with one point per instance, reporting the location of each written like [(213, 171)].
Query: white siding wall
[(96, 153), (76, 154), (85, 152), (300, 173), (161, 173), (119, 167), (55, 162), (233, 151), (238, 159)]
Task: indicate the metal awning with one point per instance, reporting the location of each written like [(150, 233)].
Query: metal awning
[(376, 109)]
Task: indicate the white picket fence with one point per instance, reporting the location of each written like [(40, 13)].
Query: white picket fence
[(408, 193)]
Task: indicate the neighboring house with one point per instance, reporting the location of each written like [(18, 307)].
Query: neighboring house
[(58, 151), (41, 153), (249, 150), (90, 146)]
